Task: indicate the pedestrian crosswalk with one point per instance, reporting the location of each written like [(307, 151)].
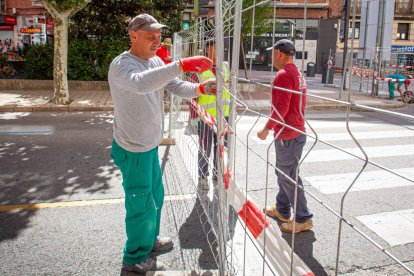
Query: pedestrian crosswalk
[(330, 171), (396, 228)]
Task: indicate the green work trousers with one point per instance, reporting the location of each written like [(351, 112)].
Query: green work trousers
[(391, 89), (144, 197)]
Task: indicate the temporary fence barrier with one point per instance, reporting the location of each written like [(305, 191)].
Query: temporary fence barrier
[(225, 200)]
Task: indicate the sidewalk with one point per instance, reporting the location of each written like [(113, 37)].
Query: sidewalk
[(40, 100)]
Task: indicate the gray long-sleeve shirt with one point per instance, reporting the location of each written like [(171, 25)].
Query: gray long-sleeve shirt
[(137, 89)]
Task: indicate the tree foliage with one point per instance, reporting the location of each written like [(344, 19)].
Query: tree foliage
[(87, 59), (109, 18), (262, 13), (64, 5)]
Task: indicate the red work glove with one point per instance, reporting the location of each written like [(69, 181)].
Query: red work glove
[(208, 87), (196, 64)]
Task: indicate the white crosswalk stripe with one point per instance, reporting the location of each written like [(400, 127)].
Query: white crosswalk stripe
[(372, 152), (396, 228), (378, 179), (344, 136)]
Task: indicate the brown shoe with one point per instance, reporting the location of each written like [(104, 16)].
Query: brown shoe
[(163, 244), (299, 227), (149, 264), (271, 211)]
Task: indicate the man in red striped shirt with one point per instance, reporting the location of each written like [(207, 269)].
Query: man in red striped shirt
[(288, 125)]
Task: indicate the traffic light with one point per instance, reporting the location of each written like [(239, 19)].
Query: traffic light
[(201, 7), (186, 16)]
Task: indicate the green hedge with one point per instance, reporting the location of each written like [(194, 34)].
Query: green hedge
[(87, 59)]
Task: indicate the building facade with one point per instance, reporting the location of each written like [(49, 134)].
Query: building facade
[(320, 36), (23, 23), (402, 41), (321, 15)]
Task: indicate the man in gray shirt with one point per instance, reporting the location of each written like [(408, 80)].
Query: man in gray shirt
[(137, 79)]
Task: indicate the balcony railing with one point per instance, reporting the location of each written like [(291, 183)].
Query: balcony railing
[(404, 7)]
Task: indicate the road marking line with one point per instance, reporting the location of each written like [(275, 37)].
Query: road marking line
[(372, 152), (26, 130), (396, 228), (371, 180), (322, 124), (80, 203), (344, 136)]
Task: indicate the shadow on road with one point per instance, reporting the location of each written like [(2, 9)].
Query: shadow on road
[(304, 249), (192, 235), (73, 163)]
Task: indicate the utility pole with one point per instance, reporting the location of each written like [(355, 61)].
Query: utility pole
[(346, 31), (379, 45), (195, 42)]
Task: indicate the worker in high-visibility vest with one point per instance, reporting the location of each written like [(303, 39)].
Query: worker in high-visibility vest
[(207, 137)]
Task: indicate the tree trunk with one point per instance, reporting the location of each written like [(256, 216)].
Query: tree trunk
[(60, 61)]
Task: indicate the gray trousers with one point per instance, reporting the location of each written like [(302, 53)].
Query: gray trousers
[(288, 154), (207, 139)]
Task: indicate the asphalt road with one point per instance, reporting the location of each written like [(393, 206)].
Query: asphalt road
[(65, 157)]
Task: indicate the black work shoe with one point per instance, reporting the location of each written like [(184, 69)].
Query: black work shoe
[(163, 244), (149, 264)]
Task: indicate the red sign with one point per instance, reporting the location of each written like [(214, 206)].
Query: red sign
[(50, 24), (6, 28), (30, 30), (11, 20), (7, 19)]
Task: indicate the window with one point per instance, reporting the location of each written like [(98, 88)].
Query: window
[(402, 31), (357, 28), (312, 27), (2, 6), (37, 3), (299, 55)]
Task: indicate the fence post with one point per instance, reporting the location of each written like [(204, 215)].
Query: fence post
[(222, 196)]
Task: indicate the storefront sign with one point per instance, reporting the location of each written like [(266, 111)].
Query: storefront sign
[(50, 23), (7, 19), (6, 28), (30, 30), (402, 49)]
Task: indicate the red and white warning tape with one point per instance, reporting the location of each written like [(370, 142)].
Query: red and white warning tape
[(391, 80), (376, 78), (360, 75), (399, 66), (205, 116), (260, 228)]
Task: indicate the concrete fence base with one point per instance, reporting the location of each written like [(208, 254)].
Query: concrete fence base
[(47, 85)]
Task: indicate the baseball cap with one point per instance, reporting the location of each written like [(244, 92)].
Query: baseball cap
[(144, 22), (285, 46)]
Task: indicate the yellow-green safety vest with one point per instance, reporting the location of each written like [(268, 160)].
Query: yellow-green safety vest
[(208, 102)]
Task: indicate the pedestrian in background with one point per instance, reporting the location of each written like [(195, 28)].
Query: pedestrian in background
[(289, 143), (164, 52), (137, 79)]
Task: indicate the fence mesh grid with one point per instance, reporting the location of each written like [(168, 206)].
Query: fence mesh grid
[(245, 161)]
